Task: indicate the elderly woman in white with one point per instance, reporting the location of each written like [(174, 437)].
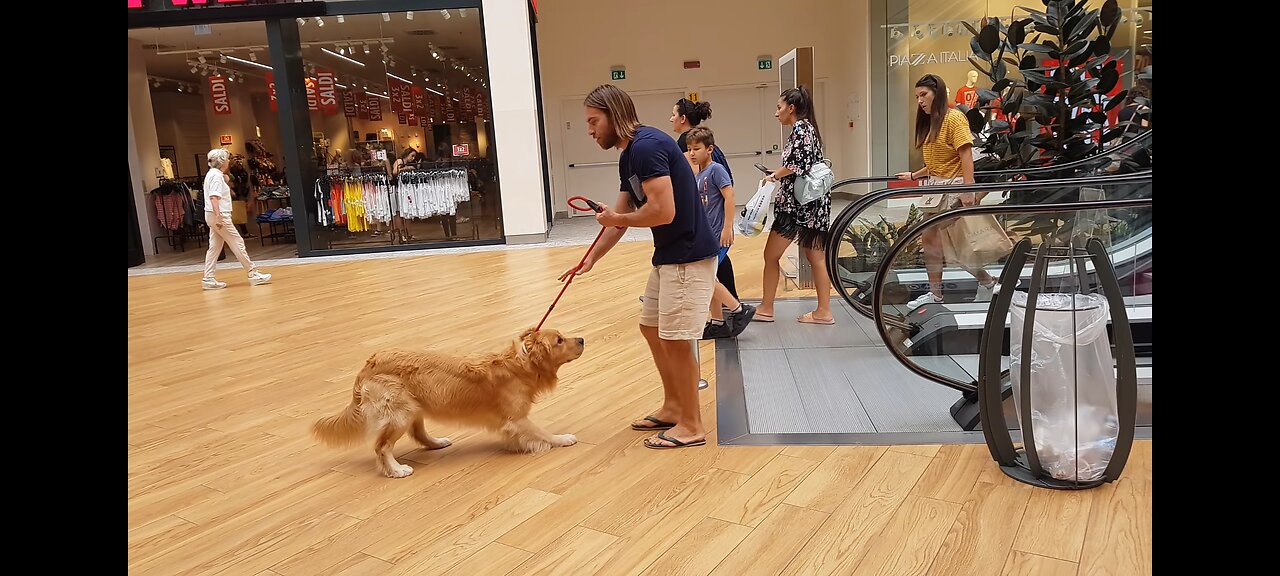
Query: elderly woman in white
[(217, 214)]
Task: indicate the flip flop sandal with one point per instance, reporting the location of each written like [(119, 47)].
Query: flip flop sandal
[(676, 443), (657, 424), (812, 320)]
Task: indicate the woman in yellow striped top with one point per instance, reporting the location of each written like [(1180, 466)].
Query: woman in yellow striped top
[(944, 139)]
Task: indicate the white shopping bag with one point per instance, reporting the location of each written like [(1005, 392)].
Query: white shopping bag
[(751, 221)]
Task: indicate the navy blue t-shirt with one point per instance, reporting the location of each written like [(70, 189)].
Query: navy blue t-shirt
[(651, 154)]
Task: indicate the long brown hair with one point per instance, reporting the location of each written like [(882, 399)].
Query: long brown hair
[(617, 106), (800, 98), (929, 125)]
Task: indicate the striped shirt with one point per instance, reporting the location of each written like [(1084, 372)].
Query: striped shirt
[(942, 156)]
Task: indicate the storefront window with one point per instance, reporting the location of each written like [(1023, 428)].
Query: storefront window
[(408, 87), (929, 37), (380, 87)]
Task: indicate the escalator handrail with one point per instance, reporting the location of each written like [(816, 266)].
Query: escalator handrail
[(1135, 142), (1095, 159), (854, 209), (877, 291)]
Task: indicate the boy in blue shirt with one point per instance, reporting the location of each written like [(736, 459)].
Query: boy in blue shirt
[(715, 187)]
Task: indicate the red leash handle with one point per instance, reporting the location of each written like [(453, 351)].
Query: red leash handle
[(593, 207)]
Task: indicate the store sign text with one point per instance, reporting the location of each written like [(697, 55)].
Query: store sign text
[(218, 92), (921, 58)]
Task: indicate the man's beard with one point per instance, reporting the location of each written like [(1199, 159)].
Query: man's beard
[(610, 140)]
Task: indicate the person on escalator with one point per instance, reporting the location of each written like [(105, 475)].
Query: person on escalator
[(943, 137)]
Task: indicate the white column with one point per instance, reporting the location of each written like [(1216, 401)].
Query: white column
[(515, 117), (144, 148)]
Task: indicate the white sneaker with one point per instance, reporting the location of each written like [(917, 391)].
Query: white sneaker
[(212, 284), (986, 291), (258, 278), (925, 298)]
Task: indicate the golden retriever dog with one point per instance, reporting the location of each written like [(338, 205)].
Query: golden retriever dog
[(398, 388)]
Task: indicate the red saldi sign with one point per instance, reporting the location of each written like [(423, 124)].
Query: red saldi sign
[(313, 100), (218, 93), (348, 104), (327, 89)]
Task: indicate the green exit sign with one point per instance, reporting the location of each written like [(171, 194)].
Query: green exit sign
[(617, 74), (764, 64)]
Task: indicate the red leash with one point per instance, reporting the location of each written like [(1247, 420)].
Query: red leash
[(592, 206)]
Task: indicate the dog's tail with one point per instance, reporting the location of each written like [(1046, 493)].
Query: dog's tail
[(344, 428)]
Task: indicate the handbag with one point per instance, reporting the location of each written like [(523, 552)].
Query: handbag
[(814, 183), (975, 241), (753, 217), (930, 203)]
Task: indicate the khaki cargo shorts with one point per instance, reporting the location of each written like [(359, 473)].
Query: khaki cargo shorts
[(678, 297)]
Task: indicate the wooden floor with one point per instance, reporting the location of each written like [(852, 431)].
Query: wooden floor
[(224, 477)]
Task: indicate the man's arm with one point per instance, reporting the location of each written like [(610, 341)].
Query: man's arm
[(612, 234), (659, 209)]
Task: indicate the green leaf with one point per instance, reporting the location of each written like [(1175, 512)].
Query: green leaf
[(976, 48), (1085, 25), (1101, 46), (1038, 48), (1109, 78), (989, 38), (978, 66), (1076, 48), (1110, 13), (1018, 32), (1116, 100)]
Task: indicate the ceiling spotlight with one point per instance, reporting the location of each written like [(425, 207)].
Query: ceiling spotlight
[(201, 59), (895, 33), (194, 70), (445, 13), (302, 21), (222, 58), (462, 12), (386, 17), (155, 83), (319, 22), (408, 15), (342, 19), (951, 30), (253, 56), (919, 34), (366, 48), (242, 78), (179, 87), (342, 50)]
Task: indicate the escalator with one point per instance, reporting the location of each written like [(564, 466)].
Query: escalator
[(864, 230), (941, 341)]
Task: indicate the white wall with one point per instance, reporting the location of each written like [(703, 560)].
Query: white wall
[(144, 151), (518, 145), (579, 40)]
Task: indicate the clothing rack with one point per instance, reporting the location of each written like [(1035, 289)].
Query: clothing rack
[(430, 166), (190, 228)]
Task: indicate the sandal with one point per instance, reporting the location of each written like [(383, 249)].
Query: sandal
[(657, 424), (674, 443), (812, 320)]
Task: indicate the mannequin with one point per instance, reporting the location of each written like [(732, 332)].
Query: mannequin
[(968, 94)]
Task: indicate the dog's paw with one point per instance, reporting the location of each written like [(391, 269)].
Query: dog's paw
[(441, 443), (399, 471), (566, 439)]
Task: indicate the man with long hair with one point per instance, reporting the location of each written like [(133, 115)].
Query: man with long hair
[(658, 192)]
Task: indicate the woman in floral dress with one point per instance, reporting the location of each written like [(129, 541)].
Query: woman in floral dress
[(808, 224)]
